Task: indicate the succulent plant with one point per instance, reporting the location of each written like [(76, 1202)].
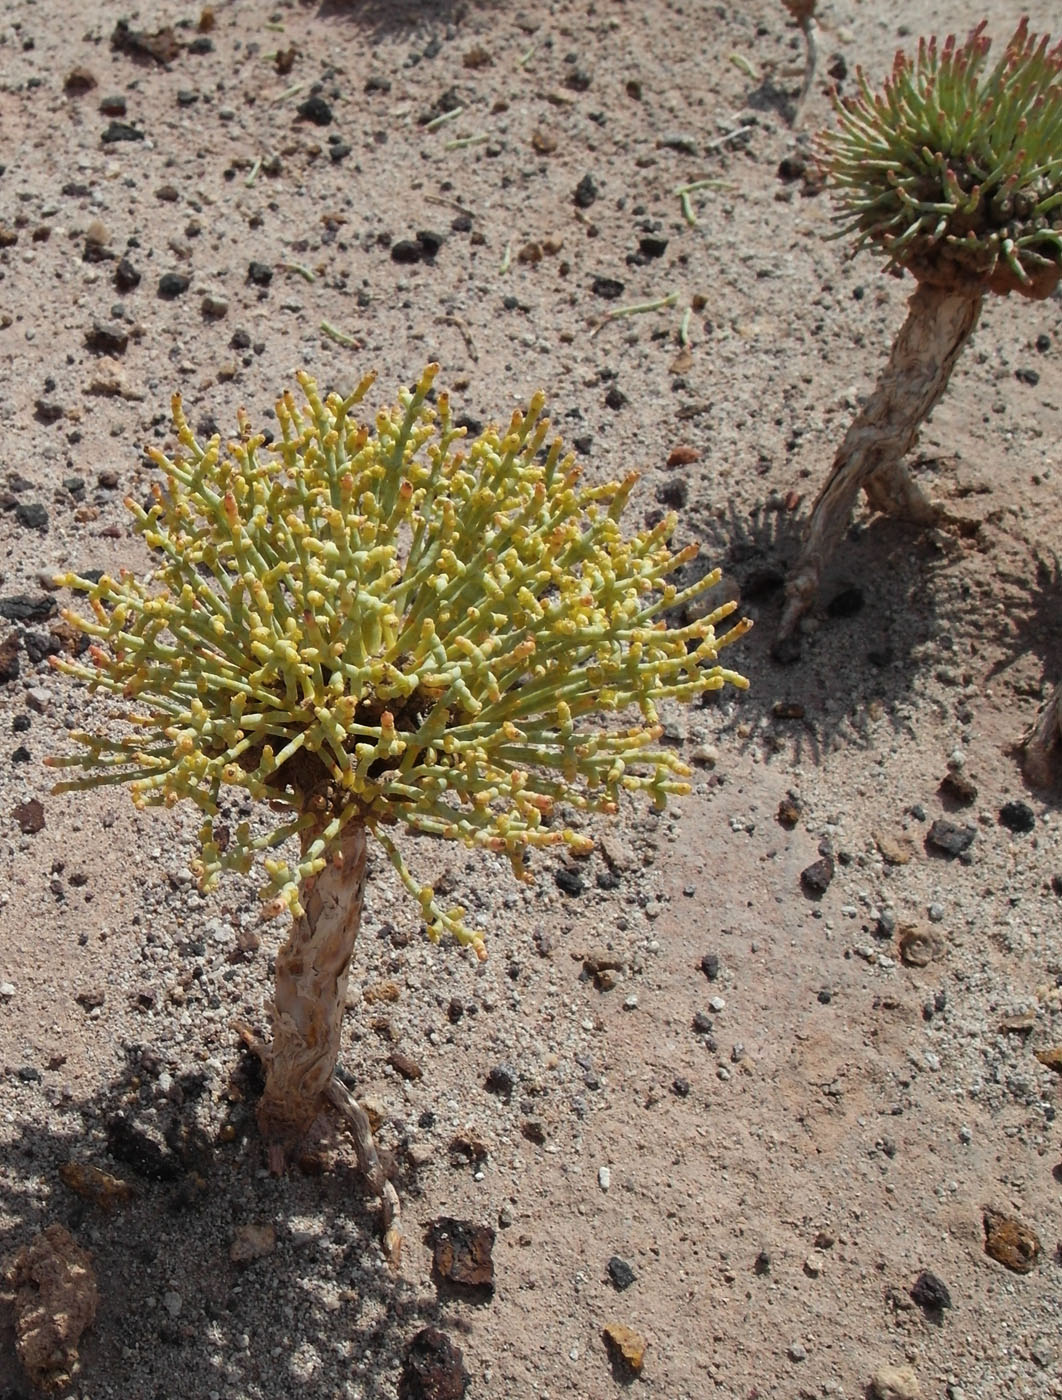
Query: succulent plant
[(952, 172), (365, 628), (954, 169)]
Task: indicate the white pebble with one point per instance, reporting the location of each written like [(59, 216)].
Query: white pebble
[(604, 1178)]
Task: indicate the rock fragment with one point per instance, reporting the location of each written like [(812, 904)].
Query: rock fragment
[(626, 1347), (434, 1368), (919, 946), (107, 339), (950, 838), (462, 1252), (30, 816), (93, 1184), (1010, 1242), (161, 47), (895, 1383), (930, 1292), (1018, 817), (252, 1242), (816, 877), (55, 1298)]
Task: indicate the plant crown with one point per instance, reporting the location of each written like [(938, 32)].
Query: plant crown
[(955, 167), (389, 627)]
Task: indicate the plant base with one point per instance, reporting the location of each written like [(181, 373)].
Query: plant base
[(939, 322)]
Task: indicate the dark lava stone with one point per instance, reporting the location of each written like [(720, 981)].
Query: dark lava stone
[(430, 242), (136, 1149), (585, 192), (568, 880), (674, 493), (501, 1079), (652, 246), (261, 274), (173, 284), (1017, 816), (315, 109), (126, 276), (608, 287), (930, 1292), (792, 167), (107, 340), (615, 398), (31, 515), (817, 876), (710, 966), (949, 837), (48, 411), (23, 607), (621, 1273), (434, 1368), (406, 251), (121, 131)]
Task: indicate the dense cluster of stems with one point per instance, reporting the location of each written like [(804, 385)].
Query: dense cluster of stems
[(954, 168), (387, 625)]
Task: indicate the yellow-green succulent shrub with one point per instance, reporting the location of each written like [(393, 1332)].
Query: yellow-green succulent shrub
[(389, 625)]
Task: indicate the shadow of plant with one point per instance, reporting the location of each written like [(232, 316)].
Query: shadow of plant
[(173, 1303), (1033, 607), (861, 664)]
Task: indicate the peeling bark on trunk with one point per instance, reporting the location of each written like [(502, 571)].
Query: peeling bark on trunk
[(939, 322), (310, 992), (1043, 744)]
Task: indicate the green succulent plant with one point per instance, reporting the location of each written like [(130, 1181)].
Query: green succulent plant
[(952, 172), (364, 628), (954, 169)]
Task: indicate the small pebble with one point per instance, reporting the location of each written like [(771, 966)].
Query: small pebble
[(620, 1272), (1018, 817), (604, 1178), (930, 1292), (214, 306)]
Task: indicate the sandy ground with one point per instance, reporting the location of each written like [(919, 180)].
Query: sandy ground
[(770, 1157)]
